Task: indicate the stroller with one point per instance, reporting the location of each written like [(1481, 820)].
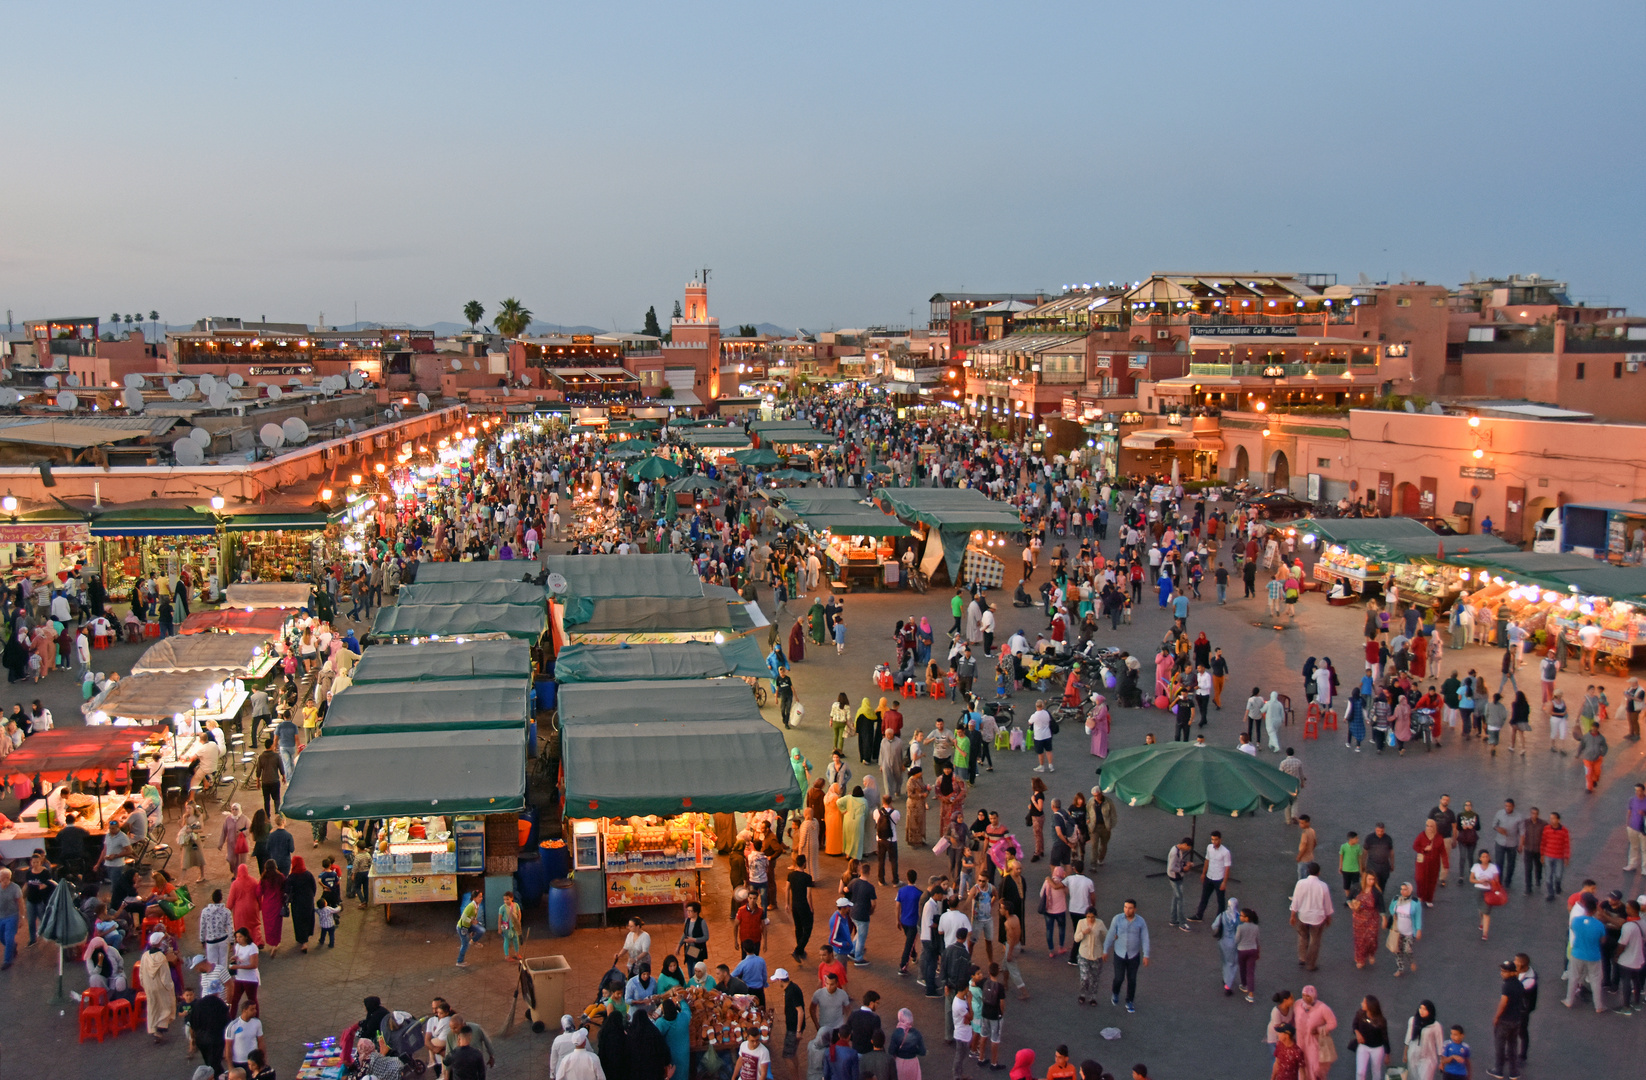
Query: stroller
[(404, 1039)]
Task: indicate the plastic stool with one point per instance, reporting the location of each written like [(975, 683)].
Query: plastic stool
[(102, 641), (140, 1010), (121, 1016), (1328, 720), (1314, 711), (94, 1022), (910, 689), (936, 689), (1311, 727), (151, 630)]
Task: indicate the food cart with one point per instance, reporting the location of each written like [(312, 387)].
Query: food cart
[(93, 756), (646, 765), (1423, 585), (1359, 575), (962, 530), (249, 657)]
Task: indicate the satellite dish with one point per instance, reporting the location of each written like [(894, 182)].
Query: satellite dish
[(134, 401), (457, 365), (1410, 407), (188, 452), (51, 382), (1434, 409), (5, 374), (235, 380), (68, 399), (175, 392), (134, 382), (186, 387), (477, 365), (201, 436), (357, 379), (423, 402), (275, 393), (271, 435), (219, 396), (294, 381), (295, 430), (557, 583), (72, 381), (207, 380)]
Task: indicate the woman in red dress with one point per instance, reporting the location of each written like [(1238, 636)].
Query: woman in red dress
[(1367, 906), (1432, 861)]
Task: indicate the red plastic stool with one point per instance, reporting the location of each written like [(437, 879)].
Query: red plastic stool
[(1314, 711), (94, 1022), (121, 1016), (102, 641), (1311, 727), (1328, 720), (936, 689), (910, 689), (151, 629), (140, 1010)]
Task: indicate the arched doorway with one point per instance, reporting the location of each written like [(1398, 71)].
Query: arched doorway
[(1280, 472), (1534, 514), (1408, 500), (1242, 464)]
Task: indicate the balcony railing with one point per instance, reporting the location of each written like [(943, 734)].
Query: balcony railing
[(1279, 370)]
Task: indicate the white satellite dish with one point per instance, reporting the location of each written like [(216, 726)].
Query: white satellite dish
[(6, 374), (188, 452), (186, 387), (175, 392), (294, 381), (134, 401), (295, 430), (207, 380), (457, 365), (557, 583), (423, 402), (357, 379), (477, 365), (51, 382), (68, 399), (271, 435), (235, 379), (134, 382), (275, 393), (201, 436), (72, 381), (219, 396)]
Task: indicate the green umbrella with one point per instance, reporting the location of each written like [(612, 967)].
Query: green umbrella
[(1184, 778), (652, 468), (696, 482), (758, 458), (64, 925)]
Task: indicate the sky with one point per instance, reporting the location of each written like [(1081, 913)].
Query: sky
[(832, 164)]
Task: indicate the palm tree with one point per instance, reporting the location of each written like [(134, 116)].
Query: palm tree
[(512, 318), (474, 311), (154, 321)]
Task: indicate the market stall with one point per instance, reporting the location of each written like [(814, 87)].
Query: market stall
[(93, 756), (244, 656), (131, 542), (269, 594), (1423, 585), (42, 548), (276, 547), (960, 529), (649, 619), (646, 764), (1362, 553), (436, 661), (477, 774), (471, 592), (523, 621), (455, 705), (484, 570), (681, 660), (1552, 596), (184, 698), (266, 622), (598, 577)]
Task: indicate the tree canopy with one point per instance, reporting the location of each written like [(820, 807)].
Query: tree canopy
[(474, 311), (651, 323), (512, 318)]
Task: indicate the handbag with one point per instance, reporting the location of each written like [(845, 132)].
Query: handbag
[(241, 844), (1496, 896), (1328, 1049), (1394, 940), (941, 847)]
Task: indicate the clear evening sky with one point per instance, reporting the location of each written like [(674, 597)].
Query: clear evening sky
[(834, 164)]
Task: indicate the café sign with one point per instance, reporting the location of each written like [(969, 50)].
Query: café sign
[(1476, 472)]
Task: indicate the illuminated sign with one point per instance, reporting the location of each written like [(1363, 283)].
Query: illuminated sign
[(1274, 371)]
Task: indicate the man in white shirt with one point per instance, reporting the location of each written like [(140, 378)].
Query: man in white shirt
[(1214, 876), (1040, 726), (564, 1043), (953, 921), (1311, 914), (1203, 692), (1081, 890)]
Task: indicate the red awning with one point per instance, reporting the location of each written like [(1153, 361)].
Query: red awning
[(235, 621), (80, 752)]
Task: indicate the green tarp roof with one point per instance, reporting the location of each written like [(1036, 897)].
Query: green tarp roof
[(951, 509), (1394, 539), (714, 437), (841, 500), (461, 704), (293, 520), (597, 577), (672, 660), (471, 592), (525, 621), (1559, 572), (648, 615), (154, 521), (435, 661), (867, 522), (664, 747), (408, 774), (484, 570)]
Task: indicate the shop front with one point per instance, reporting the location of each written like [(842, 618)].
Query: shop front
[(131, 544), (42, 549), (277, 547)]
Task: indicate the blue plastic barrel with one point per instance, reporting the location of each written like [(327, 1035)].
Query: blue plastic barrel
[(562, 908), (545, 695), (531, 739), (556, 859), (532, 882)]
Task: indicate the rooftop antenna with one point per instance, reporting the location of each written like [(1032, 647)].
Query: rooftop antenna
[(705, 275)]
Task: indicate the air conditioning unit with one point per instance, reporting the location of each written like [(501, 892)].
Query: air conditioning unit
[(1162, 335), (1632, 361)]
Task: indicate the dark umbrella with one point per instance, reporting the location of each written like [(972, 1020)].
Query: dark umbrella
[(64, 925), (695, 482)]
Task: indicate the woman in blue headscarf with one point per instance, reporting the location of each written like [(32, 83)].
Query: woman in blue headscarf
[(1223, 928)]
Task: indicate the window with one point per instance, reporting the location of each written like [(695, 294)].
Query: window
[(1439, 301), (1617, 370), (1404, 301), (1323, 463), (1580, 368)]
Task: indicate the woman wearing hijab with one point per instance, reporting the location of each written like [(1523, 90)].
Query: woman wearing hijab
[(1274, 715), (1432, 861), (834, 832), (614, 1045), (676, 1024), (906, 1046), (866, 723), (871, 803), (797, 642), (1224, 928), (106, 968), (951, 798), (1325, 684), (301, 888), (244, 904), (872, 741), (853, 814), (1310, 685), (821, 624), (648, 1050), (14, 657), (914, 806), (1424, 1042), (840, 715), (235, 823), (1315, 1022), (1097, 726), (923, 641), (154, 975), (814, 800), (271, 897)]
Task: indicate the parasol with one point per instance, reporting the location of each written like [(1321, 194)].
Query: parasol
[(759, 457), (1185, 778), (652, 468), (64, 925), (696, 482)]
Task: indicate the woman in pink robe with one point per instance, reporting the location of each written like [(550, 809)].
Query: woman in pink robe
[(1097, 726), (271, 897), (245, 906), (1314, 1019)]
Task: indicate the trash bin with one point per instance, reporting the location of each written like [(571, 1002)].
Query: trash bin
[(546, 998)]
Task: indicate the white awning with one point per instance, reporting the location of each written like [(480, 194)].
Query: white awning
[(1152, 439), (685, 397)]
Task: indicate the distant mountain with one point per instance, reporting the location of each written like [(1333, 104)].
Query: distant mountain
[(447, 329)]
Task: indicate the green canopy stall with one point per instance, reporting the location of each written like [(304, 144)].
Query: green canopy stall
[(1358, 552), (524, 621), (455, 705), (471, 592), (408, 774), (954, 515), (668, 660), (437, 661), (597, 577), (485, 570)]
